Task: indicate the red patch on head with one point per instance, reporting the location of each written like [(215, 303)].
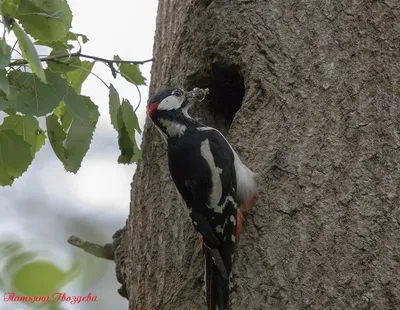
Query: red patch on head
[(151, 108)]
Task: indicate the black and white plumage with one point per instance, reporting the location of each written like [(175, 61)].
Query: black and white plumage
[(212, 180)]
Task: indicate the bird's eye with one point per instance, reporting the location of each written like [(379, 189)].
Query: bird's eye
[(177, 92)]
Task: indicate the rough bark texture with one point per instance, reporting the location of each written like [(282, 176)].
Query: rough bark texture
[(317, 85)]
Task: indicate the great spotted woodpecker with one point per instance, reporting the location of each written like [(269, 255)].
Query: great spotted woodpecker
[(212, 180)]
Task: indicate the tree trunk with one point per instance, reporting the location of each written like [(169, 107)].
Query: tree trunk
[(308, 93)]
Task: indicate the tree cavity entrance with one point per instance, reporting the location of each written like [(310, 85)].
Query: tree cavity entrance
[(227, 90)]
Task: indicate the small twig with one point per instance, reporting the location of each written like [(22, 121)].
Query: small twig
[(16, 68), (109, 62), (140, 98), (138, 90), (106, 251), (13, 48), (77, 40), (79, 54)]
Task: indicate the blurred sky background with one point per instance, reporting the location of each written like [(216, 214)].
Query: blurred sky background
[(47, 204)]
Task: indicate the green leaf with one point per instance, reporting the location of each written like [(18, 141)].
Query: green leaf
[(85, 115), (71, 139), (10, 111), (38, 278), (126, 134), (38, 2), (71, 36), (32, 97), (137, 154), (77, 107), (54, 44), (114, 104), (124, 120), (79, 75), (4, 86), (29, 52), (3, 104), (77, 144), (126, 147), (15, 156), (93, 110), (130, 119), (57, 136), (28, 127), (64, 64), (5, 54), (63, 115), (131, 72), (45, 20), (9, 7), (63, 42), (130, 152)]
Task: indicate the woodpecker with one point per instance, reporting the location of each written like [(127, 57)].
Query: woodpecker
[(215, 185)]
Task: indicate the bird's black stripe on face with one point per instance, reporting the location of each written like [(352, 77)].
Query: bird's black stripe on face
[(185, 103)]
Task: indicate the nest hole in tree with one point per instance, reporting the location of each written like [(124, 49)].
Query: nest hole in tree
[(227, 90)]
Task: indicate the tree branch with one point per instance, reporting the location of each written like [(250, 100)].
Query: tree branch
[(106, 251), (109, 62)]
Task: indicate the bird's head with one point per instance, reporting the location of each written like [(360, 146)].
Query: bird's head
[(173, 102)]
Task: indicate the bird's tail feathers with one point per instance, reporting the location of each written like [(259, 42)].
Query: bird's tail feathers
[(217, 287)]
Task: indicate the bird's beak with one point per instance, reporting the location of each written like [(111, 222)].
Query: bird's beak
[(197, 94)]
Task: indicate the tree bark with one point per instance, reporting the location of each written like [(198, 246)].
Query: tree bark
[(308, 93)]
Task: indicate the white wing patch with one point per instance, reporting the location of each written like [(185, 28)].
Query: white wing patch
[(245, 178), (220, 209), (173, 128), (219, 229), (230, 199), (216, 192)]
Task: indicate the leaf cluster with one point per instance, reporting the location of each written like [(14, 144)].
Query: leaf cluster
[(51, 88)]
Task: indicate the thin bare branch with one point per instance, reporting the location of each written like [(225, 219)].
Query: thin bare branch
[(106, 251), (79, 54), (109, 62)]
